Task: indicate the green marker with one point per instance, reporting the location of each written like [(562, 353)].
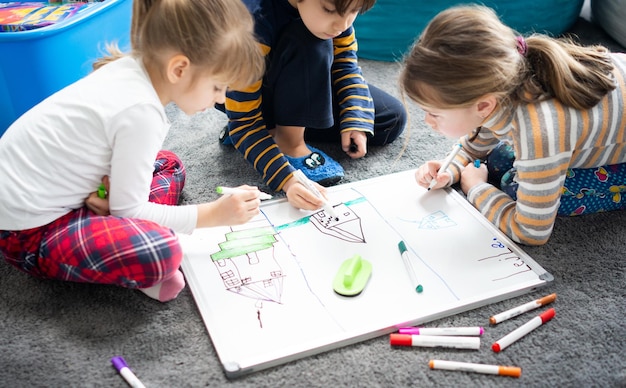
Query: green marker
[(409, 267), (232, 190)]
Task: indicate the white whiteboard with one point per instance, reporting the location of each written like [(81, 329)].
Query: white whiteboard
[(266, 297)]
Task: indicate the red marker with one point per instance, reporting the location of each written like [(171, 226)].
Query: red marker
[(523, 330), (432, 341)]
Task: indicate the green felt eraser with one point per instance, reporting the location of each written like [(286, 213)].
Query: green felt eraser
[(352, 276)]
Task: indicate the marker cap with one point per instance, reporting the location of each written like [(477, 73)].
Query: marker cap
[(400, 339), (547, 299), (547, 315), (119, 363), (409, 330), (512, 371)]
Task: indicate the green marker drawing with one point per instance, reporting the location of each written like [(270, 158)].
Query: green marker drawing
[(243, 242), (409, 267)]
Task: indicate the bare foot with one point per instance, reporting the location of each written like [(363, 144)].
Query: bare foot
[(290, 141)]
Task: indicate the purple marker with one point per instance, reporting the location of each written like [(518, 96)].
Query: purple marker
[(442, 330), (128, 375)]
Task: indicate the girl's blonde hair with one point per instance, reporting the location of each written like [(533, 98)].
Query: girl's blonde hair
[(466, 52), (216, 35)]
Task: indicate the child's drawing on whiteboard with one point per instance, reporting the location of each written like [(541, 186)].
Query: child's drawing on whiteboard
[(436, 220), (347, 227), (246, 260), (247, 265), (517, 263)]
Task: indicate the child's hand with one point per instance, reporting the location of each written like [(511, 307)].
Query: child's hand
[(472, 176), (96, 203), (354, 143), (301, 198), (231, 209), (429, 171)]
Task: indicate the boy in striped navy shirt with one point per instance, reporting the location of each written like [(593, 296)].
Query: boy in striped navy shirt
[(312, 84)]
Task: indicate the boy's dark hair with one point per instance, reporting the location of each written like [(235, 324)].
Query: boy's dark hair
[(343, 6)]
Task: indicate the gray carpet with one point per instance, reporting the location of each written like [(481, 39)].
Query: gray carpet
[(63, 334)]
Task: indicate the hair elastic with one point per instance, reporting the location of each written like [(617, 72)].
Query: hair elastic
[(522, 48)]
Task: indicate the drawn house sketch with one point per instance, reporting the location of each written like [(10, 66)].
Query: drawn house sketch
[(246, 260), (264, 289), (347, 227), (247, 264)]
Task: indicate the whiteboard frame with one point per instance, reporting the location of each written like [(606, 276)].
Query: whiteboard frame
[(245, 366)]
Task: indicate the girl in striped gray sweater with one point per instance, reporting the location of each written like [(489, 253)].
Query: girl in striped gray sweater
[(546, 115)]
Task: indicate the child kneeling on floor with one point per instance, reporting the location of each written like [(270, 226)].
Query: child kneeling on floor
[(313, 89), (547, 116)]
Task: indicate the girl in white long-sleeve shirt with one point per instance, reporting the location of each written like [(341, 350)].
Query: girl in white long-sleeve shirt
[(108, 128)]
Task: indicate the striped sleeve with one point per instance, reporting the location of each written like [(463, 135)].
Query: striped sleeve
[(542, 157), (479, 148), (251, 137), (356, 107), (549, 138), (530, 219)]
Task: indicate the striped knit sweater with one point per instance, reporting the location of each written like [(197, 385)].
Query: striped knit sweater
[(244, 109), (548, 138)]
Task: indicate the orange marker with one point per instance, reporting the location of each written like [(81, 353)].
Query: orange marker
[(522, 309), (512, 371)]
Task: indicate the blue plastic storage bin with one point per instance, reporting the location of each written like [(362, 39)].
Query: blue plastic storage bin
[(35, 64)]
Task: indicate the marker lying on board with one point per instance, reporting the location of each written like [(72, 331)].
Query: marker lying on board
[(432, 341), (409, 267), (521, 331), (309, 185), (508, 314), (446, 163), (512, 371), (471, 331), (120, 364), (232, 190)]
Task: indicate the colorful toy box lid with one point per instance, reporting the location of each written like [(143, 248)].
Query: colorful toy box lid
[(23, 16)]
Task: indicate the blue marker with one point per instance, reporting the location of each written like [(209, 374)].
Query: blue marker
[(477, 163), (409, 267)]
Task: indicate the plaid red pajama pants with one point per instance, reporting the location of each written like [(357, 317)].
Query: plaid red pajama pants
[(84, 247)]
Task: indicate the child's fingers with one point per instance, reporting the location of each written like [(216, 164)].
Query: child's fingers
[(97, 205)]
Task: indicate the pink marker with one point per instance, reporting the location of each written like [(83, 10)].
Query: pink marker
[(442, 330), (523, 330)]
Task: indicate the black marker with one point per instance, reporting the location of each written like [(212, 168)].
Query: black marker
[(353, 147)]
